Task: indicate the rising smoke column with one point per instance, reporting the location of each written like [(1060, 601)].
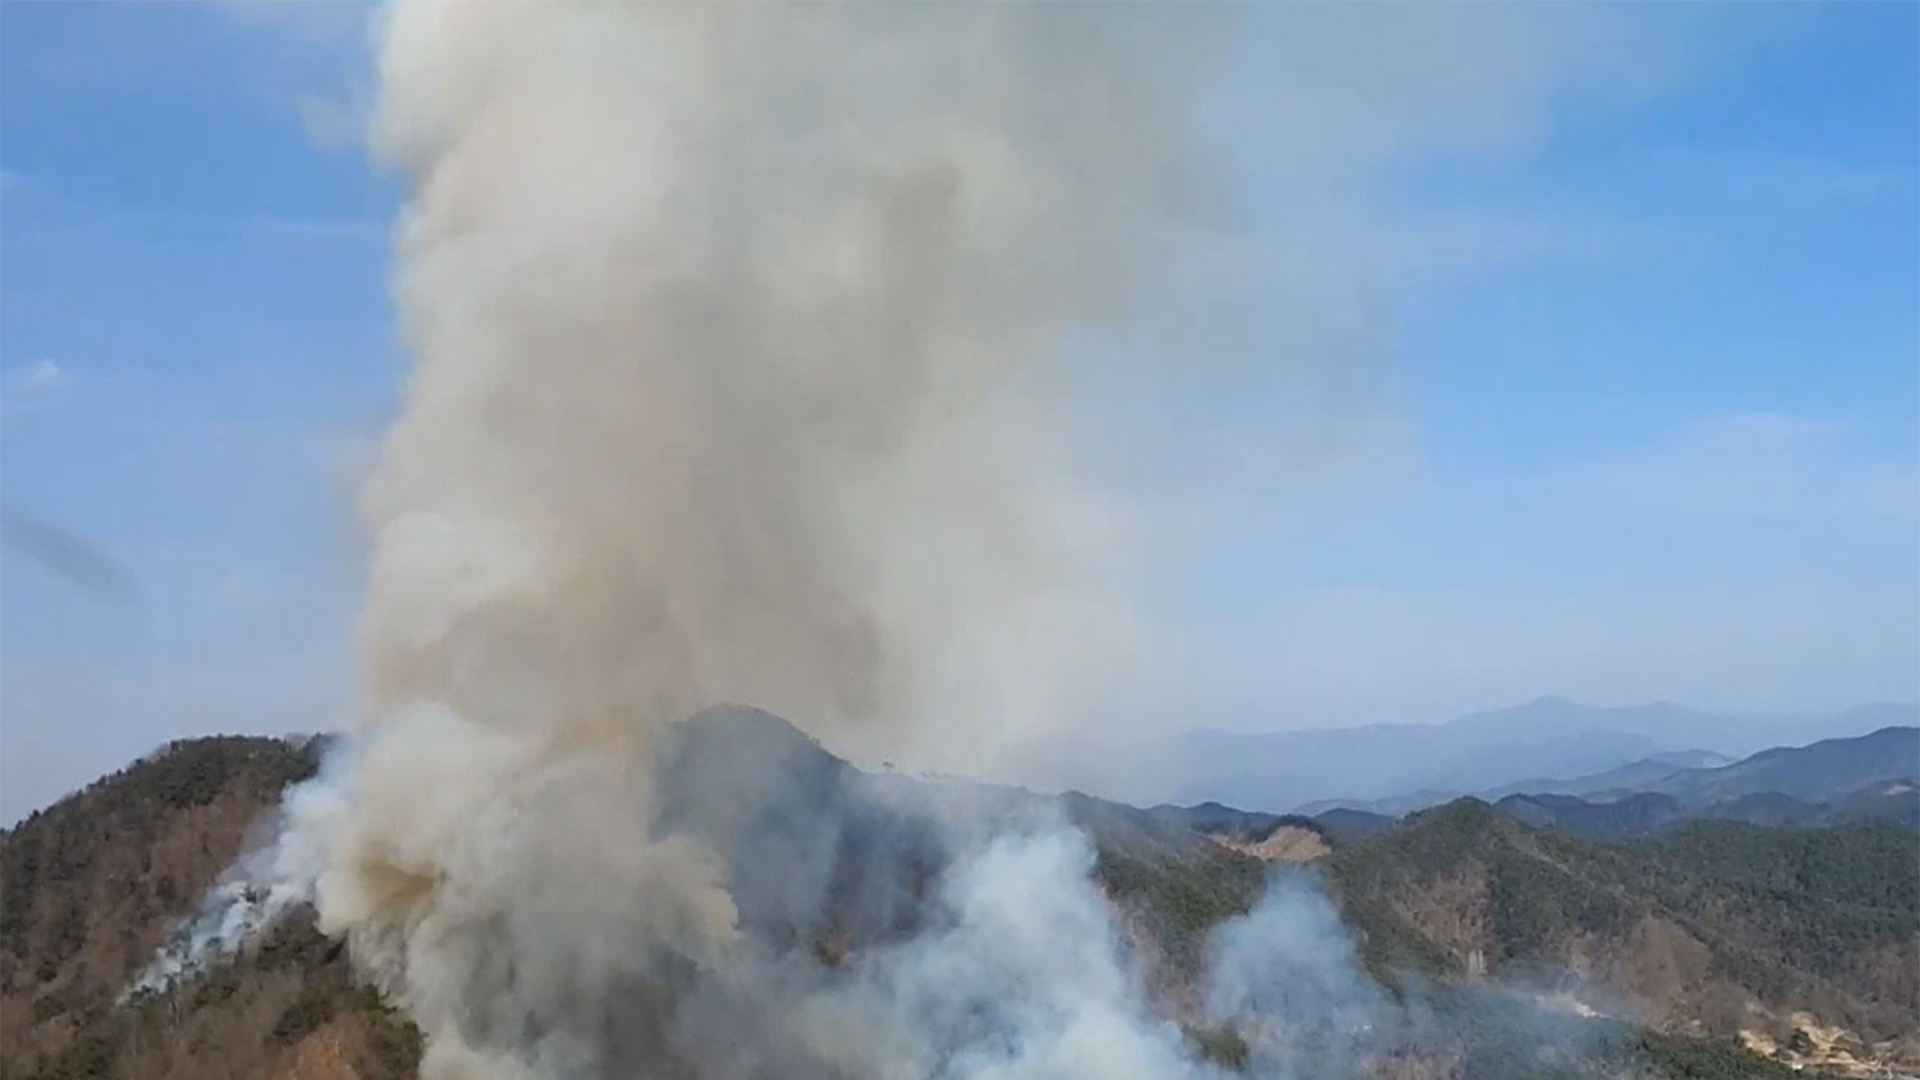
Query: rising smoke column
[(738, 376)]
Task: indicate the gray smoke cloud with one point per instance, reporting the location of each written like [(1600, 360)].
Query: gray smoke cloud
[(738, 369), (738, 376), (744, 371)]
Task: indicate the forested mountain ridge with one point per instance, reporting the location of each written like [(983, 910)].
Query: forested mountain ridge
[(1755, 925)]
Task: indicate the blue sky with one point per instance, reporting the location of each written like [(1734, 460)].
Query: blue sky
[(1638, 415)]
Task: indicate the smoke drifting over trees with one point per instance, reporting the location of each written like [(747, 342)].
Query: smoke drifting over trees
[(743, 371), (738, 377)]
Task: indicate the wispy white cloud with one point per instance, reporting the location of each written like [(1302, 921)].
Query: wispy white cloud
[(42, 377), (46, 381), (1442, 246), (245, 588), (1797, 180), (1752, 562), (334, 122), (318, 229), (59, 218), (1350, 655), (32, 385), (323, 23), (1826, 178), (328, 44)]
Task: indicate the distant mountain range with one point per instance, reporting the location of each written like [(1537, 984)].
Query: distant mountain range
[(1397, 768), (1632, 776), (1824, 771), (1868, 777)]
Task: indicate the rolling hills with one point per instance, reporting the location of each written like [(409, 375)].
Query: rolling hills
[(1475, 922), (1708, 928)]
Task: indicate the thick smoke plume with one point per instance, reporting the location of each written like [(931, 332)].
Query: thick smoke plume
[(750, 360), (739, 339), (739, 353)]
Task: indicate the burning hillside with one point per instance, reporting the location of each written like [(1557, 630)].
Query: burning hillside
[(283, 1003)]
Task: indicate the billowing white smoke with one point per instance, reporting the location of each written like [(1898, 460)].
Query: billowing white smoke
[(739, 371), (744, 370), (739, 376), (1020, 976)]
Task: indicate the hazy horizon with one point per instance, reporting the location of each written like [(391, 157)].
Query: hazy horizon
[(18, 802)]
